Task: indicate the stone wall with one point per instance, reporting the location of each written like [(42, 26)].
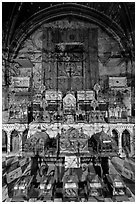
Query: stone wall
[(109, 61)]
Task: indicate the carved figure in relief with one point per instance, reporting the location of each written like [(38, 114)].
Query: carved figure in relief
[(117, 112), (69, 101), (111, 112), (69, 119), (46, 115)]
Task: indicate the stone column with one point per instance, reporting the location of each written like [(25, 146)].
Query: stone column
[(120, 143), (132, 144), (20, 141), (8, 141)]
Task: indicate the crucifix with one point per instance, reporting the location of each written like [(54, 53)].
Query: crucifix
[(70, 71), (102, 128)]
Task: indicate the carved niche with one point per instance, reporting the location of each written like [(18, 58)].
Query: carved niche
[(69, 101), (69, 108)]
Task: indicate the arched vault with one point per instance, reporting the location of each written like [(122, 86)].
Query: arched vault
[(69, 10)]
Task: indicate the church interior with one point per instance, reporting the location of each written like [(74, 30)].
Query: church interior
[(68, 101)]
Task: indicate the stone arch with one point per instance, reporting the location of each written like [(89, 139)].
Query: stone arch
[(126, 141), (24, 137), (4, 141), (115, 136), (129, 130), (66, 10), (14, 141)]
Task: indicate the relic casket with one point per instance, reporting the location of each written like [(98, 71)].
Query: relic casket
[(73, 141), (53, 100)]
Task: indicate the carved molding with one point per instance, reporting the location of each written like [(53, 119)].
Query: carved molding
[(18, 127), (67, 24), (54, 129)]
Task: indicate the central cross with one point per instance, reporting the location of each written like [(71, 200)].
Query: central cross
[(70, 70), (102, 128)]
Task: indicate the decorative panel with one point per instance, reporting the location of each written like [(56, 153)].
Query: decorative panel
[(21, 81), (85, 95), (72, 162), (69, 58), (73, 141), (53, 95), (72, 73), (117, 82)]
